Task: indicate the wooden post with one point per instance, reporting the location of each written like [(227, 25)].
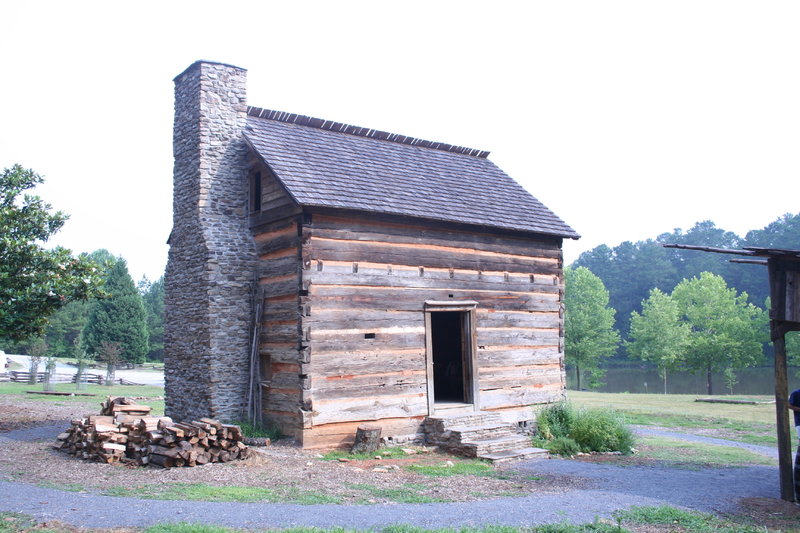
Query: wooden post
[(782, 414)]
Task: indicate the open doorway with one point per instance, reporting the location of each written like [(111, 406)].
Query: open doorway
[(450, 333), (447, 338)]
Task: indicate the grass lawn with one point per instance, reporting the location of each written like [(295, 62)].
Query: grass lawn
[(683, 454), (754, 424), (134, 391), (636, 520)]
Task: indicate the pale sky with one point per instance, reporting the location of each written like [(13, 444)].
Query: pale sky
[(626, 118)]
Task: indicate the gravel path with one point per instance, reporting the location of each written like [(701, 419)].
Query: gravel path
[(755, 448), (607, 488)]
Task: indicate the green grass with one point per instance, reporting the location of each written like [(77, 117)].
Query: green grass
[(407, 493), (185, 527), (678, 452), (393, 452), (460, 468), (680, 520), (754, 424), (68, 487), (663, 518), (208, 493), (92, 402), (14, 522), (251, 430), (147, 391)]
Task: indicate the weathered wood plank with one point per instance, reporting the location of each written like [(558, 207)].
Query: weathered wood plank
[(278, 266), (280, 286), (517, 337), (341, 434), (369, 409), (281, 400), (350, 229), (399, 299), (523, 378), (493, 399), (500, 356), (285, 380), (280, 333), (267, 220), (369, 386), (362, 318), (337, 342), (426, 256), (346, 318), (344, 363), (281, 352), (283, 240), (329, 273)]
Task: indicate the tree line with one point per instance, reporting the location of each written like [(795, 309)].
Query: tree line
[(631, 269), (126, 317), (676, 309), (53, 303)]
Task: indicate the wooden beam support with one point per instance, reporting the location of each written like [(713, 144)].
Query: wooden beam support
[(782, 415)]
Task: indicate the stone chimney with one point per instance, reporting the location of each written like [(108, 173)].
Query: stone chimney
[(210, 271)]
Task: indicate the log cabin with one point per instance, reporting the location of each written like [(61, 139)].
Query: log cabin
[(374, 278)]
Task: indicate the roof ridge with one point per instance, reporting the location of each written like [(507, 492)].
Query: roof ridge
[(319, 123)]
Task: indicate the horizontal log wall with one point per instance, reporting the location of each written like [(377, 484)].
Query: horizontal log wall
[(277, 237), (365, 283)]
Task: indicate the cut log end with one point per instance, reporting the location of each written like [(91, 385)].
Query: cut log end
[(367, 440)]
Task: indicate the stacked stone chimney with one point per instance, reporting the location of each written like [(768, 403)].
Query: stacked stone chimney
[(212, 258)]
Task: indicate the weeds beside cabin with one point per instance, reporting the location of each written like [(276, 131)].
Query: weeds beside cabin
[(393, 278)]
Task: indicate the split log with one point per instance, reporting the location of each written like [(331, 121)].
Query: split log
[(126, 432)]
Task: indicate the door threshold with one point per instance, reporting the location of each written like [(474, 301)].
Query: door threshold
[(453, 408)]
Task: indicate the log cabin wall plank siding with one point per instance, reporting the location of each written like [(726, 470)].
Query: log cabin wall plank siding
[(401, 278), (374, 283)]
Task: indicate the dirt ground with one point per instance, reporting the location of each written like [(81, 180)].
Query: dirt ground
[(283, 467), (288, 469)]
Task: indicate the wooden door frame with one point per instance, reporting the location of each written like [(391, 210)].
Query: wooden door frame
[(469, 350)]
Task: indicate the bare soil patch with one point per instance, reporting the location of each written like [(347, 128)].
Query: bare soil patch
[(18, 413)]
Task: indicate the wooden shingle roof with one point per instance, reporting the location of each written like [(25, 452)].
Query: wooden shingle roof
[(328, 164)]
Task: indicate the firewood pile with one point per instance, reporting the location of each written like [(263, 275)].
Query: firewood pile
[(125, 432)]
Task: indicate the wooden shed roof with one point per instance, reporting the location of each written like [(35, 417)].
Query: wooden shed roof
[(329, 164)]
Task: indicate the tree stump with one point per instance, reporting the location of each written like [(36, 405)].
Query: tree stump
[(368, 438)]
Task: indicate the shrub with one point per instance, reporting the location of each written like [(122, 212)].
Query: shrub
[(566, 430), (563, 446), (555, 420), (597, 430)]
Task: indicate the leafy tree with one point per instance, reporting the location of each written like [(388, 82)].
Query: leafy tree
[(589, 333), (66, 324), (153, 299), (83, 360), (793, 349), (658, 335), (36, 350), (692, 263), (629, 271), (109, 353), (119, 318), (727, 332), (782, 233), (34, 281)]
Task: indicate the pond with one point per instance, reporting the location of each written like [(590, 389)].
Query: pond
[(638, 379)]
